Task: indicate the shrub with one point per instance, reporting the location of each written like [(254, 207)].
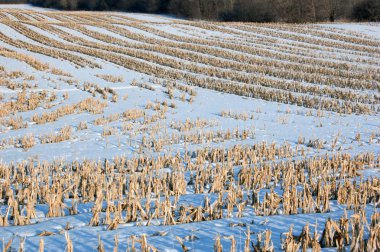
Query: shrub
[(368, 10)]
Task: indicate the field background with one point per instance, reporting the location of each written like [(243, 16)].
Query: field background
[(95, 86)]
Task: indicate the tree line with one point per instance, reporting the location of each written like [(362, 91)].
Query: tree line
[(233, 10), (13, 1)]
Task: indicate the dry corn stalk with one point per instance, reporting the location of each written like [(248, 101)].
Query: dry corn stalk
[(69, 243), (291, 243), (100, 245), (7, 247), (116, 246), (247, 243), (180, 240), (266, 245), (41, 247), (143, 243), (218, 245), (233, 243)]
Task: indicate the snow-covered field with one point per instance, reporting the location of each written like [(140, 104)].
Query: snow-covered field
[(159, 131)]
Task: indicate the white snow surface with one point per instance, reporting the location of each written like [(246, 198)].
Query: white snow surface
[(370, 29), (89, 144)]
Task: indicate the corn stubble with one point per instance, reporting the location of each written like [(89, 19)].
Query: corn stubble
[(287, 86), (138, 183), (261, 179)]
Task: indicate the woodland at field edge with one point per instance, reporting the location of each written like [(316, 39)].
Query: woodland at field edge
[(293, 11)]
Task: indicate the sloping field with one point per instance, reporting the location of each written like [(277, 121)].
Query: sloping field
[(144, 132)]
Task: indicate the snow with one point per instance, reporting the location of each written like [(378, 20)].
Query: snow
[(14, 34), (110, 33), (271, 122), (22, 7), (148, 18), (369, 29)]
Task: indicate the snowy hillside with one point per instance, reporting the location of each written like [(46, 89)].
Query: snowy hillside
[(160, 131)]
